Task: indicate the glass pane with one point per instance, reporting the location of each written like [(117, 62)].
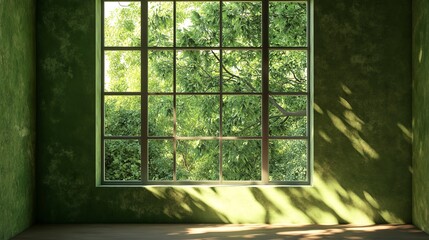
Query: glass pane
[(122, 71), (122, 115), (241, 160), (288, 116), (197, 24), (288, 24), (242, 24), (197, 160), (160, 71), (122, 160), (241, 116), (197, 115), (288, 160), (288, 71), (160, 24), (242, 71), (160, 160), (197, 71), (122, 24), (160, 115)]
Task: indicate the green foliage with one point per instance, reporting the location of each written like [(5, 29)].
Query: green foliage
[(160, 24), (242, 71), (160, 115), (242, 24), (242, 160), (122, 73), (122, 24), (197, 116), (242, 116), (122, 115), (281, 124), (198, 160), (122, 160), (160, 160), (206, 73), (197, 71), (288, 71), (288, 24), (198, 24), (288, 160), (160, 71)]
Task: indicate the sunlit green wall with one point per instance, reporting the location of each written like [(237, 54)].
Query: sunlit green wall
[(421, 114), (362, 153), (17, 115)]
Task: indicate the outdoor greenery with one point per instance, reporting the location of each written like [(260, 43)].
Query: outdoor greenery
[(198, 76)]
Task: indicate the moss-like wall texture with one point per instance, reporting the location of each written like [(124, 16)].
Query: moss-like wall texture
[(420, 72), (17, 115), (362, 152)]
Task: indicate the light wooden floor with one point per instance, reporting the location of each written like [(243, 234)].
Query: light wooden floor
[(219, 231)]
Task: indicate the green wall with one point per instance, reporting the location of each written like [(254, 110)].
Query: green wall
[(17, 115), (362, 128), (420, 73)]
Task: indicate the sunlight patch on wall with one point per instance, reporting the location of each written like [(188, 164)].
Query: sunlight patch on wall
[(406, 132), (325, 136), (356, 140), (317, 108)]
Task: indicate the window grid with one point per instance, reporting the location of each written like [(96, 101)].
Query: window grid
[(265, 94)]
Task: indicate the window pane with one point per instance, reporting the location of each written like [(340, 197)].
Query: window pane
[(288, 71), (242, 24), (197, 71), (160, 71), (242, 71), (288, 160), (122, 115), (160, 115), (198, 160), (122, 160), (197, 24), (197, 115), (288, 24), (241, 116), (160, 160), (288, 116), (241, 160), (160, 24), (122, 71), (122, 24)]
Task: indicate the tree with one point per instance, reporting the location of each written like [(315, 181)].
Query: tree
[(199, 71)]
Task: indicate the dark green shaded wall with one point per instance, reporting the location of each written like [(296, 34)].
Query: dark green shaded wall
[(421, 114), (17, 115), (362, 152)]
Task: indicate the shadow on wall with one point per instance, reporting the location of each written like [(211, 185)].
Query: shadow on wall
[(361, 182), (358, 183)]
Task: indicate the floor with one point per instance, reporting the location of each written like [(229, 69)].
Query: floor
[(220, 231)]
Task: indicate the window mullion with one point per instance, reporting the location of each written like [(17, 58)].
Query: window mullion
[(265, 89), (310, 118), (103, 163), (144, 91), (220, 94), (174, 94)]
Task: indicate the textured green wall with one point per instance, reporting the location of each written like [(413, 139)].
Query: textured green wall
[(420, 72), (17, 115), (362, 128)]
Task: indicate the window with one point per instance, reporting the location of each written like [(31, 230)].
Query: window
[(212, 92)]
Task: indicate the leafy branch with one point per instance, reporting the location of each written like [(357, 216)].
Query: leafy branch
[(271, 98)]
